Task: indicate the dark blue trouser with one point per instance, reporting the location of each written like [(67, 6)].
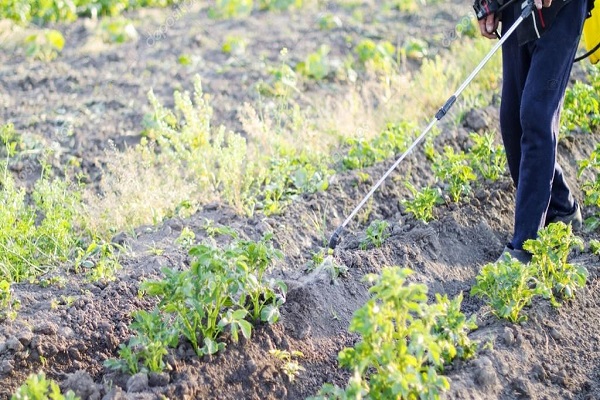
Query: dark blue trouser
[(535, 77)]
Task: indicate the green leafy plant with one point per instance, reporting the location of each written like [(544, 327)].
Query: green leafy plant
[(316, 65), (394, 139), (415, 49), (45, 45), (507, 286), (38, 387), (376, 233), (186, 238), (549, 254), (234, 45), (488, 159), (224, 9), (279, 5), (290, 365), (8, 305), (455, 170), (581, 110), (423, 201), (329, 21), (591, 187), (117, 30), (380, 56), (225, 290), (404, 342), (100, 260)]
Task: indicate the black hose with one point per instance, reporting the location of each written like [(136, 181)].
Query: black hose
[(589, 53)]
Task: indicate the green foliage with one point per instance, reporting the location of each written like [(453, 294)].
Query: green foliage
[(380, 56), (581, 110), (37, 233), (376, 233), (507, 286), (290, 365), (45, 45), (327, 22), (549, 254), (234, 45), (38, 387), (415, 49), (225, 290), (488, 159), (316, 65), (394, 139), (455, 170), (289, 175), (279, 5), (117, 30), (404, 342), (8, 305), (44, 11), (100, 260), (224, 9), (591, 187), (422, 203), (186, 238)]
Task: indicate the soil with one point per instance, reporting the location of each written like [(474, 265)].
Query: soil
[(69, 330)]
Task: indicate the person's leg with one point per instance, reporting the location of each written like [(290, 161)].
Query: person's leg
[(515, 67), (551, 62)]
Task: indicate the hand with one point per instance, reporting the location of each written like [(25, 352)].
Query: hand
[(542, 3), (489, 24)]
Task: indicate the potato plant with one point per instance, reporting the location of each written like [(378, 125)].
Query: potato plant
[(550, 251), (38, 387), (454, 170), (404, 342), (508, 285), (581, 110), (423, 201), (487, 158), (224, 292), (375, 235), (591, 187)]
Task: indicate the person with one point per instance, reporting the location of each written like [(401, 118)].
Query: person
[(536, 63)]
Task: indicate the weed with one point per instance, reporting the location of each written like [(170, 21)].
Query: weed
[(327, 22), (376, 233), (422, 203), (415, 49), (38, 387), (8, 305), (99, 260), (404, 342), (290, 365)]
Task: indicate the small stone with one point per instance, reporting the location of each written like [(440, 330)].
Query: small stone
[(6, 367), (45, 328), (119, 238), (508, 336), (555, 334), (14, 344), (25, 337), (115, 394), (539, 372), (158, 379), (74, 354), (477, 120), (82, 384), (137, 383), (485, 375)]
